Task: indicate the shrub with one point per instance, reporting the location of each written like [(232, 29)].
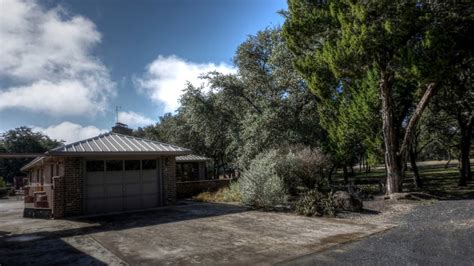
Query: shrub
[(260, 184), (228, 194), (2, 182), (315, 203), (232, 193), (302, 166)]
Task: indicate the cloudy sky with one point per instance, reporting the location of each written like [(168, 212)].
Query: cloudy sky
[(65, 65)]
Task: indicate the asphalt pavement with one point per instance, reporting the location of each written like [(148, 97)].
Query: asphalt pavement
[(435, 233)]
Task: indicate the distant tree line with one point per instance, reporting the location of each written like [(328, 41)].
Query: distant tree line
[(21, 140)]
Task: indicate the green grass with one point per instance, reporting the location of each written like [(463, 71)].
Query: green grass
[(437, 180)]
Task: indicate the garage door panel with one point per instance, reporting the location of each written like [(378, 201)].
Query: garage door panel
[(113, 204), (95, 178), (95, 191), (113, 190), (149, 175), (149, 201), (94, 206), (131, 203), (131, 189), (113, 178), (150, 188), (131, 176)]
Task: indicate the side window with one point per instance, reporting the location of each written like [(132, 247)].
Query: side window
[(93, 166), (114, 165), (132, 165), (149, 164)]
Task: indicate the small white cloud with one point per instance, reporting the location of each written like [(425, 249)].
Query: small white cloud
[(134, 119), (166, 77), (70, 132), (47, 55)]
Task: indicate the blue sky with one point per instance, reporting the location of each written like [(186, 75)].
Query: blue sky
[(65, 65)]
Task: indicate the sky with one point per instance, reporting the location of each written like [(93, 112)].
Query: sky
[(66, 65)]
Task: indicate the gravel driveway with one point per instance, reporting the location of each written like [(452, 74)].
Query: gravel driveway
[(440, 233)]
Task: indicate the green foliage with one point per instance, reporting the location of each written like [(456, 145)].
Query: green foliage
[(2, 182), (22, 140), (315, 203), (265, 105), (303, 167), (229, 194), (346, 50), (260, 185)]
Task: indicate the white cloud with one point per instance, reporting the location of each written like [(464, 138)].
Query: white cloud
[(70, 132), (48, 55), (134, 119), (166, 77)]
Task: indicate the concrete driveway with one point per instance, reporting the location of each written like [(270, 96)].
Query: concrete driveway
[(187, 234)]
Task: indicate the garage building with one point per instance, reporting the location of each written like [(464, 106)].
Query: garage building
[(112, 172)]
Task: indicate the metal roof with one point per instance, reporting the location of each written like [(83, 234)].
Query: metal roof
[(33, 162), (118, 144), (112, 144), (191, 158)]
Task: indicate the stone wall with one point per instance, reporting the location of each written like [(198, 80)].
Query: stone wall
[(192, 188)]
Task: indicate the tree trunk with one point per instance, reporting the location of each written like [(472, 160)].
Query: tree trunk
[(392, 162), (465, 147), (414, 168), (345, 174), (449, 159)]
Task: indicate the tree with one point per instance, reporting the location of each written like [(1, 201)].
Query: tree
[(265, 105), (456, 99), (409, 44), (22, 140)]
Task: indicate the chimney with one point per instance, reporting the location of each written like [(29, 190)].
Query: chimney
[(121, 128)]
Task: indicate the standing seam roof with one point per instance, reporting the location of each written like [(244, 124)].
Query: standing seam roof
[(117, 143)]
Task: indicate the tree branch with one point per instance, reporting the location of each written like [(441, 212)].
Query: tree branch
[(430, 91)]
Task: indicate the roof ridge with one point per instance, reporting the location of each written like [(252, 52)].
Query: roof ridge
[(144, 139)]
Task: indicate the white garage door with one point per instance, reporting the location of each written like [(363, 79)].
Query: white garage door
[(122, 185)]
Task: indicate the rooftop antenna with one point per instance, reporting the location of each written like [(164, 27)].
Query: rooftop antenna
[(117, 108)]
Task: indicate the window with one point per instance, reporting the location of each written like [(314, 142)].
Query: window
[(132, 165), (57, 169), (149, 164), (91, 166), (51, 169), (114, 165)]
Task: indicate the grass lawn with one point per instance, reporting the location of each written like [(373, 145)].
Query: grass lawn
[(437, 180)]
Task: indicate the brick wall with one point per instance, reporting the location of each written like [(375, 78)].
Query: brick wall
[(58, 197), (73, 186), (169, 179)]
